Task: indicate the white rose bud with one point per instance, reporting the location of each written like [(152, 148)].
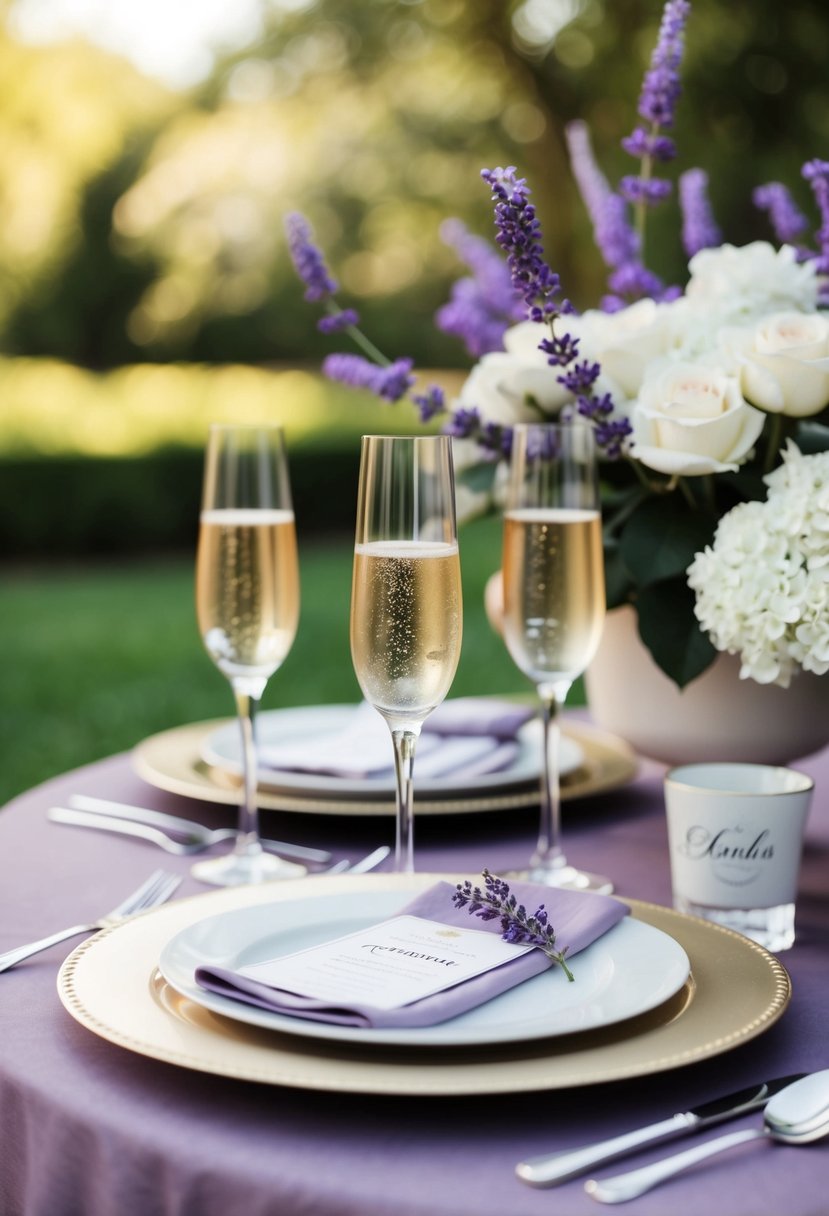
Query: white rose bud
[(504, 386), (785, 364), (691, 419)]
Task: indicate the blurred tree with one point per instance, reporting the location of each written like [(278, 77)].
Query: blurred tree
[(57, 137), (81, 313), (374, 117)]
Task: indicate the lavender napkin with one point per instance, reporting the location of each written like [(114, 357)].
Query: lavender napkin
[(462, 738), (579, 918)]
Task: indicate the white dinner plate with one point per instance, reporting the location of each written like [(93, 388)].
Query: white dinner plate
[(283, 727), (630, 970)]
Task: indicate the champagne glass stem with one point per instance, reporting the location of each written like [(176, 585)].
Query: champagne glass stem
[(247, 842), (405, 742), (548, 853)]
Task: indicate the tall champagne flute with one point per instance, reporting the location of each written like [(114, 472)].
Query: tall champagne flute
[(406, 610), (554, 598), (247, 605)]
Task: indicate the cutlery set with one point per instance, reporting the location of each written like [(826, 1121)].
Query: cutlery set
[(183, 837), (174, 835), (796, 1112)]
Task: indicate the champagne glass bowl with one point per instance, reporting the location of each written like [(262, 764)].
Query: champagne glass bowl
[(406, 613), (247, 605), (554, 599)]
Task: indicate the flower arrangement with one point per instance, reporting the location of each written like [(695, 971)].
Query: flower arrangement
[(696, 394)]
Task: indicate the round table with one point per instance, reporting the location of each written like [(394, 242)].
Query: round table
[(91, 1129)]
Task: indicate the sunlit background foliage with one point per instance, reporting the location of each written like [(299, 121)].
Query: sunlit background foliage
[(138, 223), (145, 288)]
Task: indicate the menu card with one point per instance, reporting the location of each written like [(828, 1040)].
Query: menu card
[(389, 965)]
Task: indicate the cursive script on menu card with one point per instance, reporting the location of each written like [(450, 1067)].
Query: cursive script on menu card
[(387, 965)]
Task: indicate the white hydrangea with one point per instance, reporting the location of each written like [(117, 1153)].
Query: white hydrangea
[(762, 587)]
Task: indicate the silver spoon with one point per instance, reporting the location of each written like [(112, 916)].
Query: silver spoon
[(797, 1115)]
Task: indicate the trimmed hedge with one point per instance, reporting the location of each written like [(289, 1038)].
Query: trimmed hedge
[(74, 506)]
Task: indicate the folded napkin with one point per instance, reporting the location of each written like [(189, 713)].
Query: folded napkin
[(466, 737), (578, 918)]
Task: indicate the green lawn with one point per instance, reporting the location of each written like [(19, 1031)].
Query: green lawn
[(99, 657)]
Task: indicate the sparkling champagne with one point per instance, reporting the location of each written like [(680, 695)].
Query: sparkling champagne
[(406, 623), (247, 589), (554, 597)]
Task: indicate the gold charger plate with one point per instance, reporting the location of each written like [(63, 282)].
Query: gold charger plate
[(112, 986), (172, 761)]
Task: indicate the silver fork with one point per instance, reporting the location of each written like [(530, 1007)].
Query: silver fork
[(180, 831), (156, 890), (155, 835)]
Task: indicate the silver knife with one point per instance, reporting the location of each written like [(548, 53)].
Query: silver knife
[(554, 1168)]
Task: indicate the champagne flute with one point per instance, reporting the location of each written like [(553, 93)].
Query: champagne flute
[(247, 605), (554, 598), (406, 612)]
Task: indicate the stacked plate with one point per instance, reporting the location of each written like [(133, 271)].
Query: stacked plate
[(659, 990), (203, 761)]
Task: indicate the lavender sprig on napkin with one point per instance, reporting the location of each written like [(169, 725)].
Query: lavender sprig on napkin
[(517, 926)]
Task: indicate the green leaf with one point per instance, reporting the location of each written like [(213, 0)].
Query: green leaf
[(618, 583), (661, 537), (671, 632), (813, 436), (479, 477)]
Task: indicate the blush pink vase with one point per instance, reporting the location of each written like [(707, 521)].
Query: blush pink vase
[(718, 716)]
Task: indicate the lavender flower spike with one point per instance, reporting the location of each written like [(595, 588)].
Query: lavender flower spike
[(392, 382), (787, 220), (615, 238), (337, 321), (661, 87), (519, 235), (482, 304), (430, 403), (496, 902), (307, 259), (816, 173), (699, 228)]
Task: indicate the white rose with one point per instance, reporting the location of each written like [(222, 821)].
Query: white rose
[(503, 386), (785, 364), (624, 342), (523, 340), (751, 280), (691, 419)]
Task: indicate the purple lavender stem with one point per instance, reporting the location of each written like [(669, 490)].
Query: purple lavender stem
[(787, 220), (482, 305), (307, 259), (615, 238), (816, 173), (518, 232), (661, 86), (699, 228), (391, 383)]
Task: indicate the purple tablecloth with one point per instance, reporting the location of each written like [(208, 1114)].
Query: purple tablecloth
[(90, 1129)]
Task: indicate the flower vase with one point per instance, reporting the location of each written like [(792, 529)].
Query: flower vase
[(717, 716)]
